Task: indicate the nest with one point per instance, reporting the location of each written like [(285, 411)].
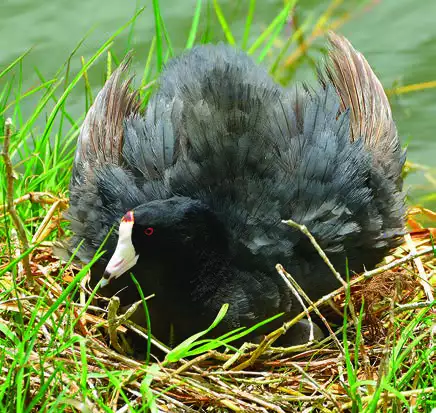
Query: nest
[(69, 353)]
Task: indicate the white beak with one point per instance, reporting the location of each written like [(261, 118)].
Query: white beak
[(124, 256)]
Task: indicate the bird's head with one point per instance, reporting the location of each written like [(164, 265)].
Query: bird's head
[(164, 235)]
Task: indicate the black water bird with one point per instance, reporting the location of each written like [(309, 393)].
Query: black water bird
[(198, 184)]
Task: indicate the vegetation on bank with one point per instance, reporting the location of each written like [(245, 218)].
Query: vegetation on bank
[(59, 351)]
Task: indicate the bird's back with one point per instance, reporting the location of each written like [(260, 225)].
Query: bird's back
[(220, 130)]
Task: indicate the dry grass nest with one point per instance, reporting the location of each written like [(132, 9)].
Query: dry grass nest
[(382, 305)]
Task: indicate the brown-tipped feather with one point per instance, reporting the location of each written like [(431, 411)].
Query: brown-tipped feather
[(101, 135), (361, 92)]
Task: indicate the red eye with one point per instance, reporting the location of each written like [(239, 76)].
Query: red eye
[(149, 231)]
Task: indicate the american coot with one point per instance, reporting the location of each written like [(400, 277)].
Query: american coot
[(197, 185)]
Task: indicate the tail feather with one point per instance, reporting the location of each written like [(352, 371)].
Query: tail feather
[(361, 93), (101, 136)]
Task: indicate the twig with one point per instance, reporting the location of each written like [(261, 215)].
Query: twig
[(162, 395), (284, 273), (407, 393), (328, 395), (243, 394), (296, 290), (16, 299), (319, 250), (128, 362), (10, 201), (16, 244), (354, 281), (236, 356), (41, 232), (322, 254), (39, 198), (422, 275), (269, 340), (115, 320), (113, 323), (414, 306), (225, 400), (393, 264), (192, 362), (141, 331)]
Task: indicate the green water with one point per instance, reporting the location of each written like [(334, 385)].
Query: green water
[(398, 37)]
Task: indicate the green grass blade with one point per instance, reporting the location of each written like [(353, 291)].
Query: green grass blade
[(207, 35), (14, 63), (194, 26), (148, 396), (182, 349), (223, 22), (170, 51), (147, 67), (158, 28), (228, 338), (85, 67), (42, 391), (270, 42), (31, 92), (278, 21), (291, 39), (147, 318), (132, 29), (248, 23)]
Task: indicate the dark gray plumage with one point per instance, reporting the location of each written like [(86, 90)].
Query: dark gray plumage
[(221, 155)]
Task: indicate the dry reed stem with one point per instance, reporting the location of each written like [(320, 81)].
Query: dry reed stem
[(297, 292), (10, 201), (112, 309), (321, 27), (44, 229), (316, 310), (345, 285), (421, 271)]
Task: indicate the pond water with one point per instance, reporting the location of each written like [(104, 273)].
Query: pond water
[(398, 37)]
